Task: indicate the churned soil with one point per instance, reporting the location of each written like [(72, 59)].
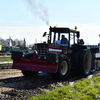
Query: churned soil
[(14, 86)]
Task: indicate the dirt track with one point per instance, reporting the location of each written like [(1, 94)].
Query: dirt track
[(6, 64), (5, 58), (14, 86)]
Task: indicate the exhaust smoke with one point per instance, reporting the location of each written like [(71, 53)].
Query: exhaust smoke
[(38, 9)]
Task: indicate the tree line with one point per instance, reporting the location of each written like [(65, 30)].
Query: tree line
[(15, 42)]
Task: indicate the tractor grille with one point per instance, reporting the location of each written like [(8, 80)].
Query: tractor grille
[(42, 51)]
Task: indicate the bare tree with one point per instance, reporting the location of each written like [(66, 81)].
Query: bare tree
[(15, 42)]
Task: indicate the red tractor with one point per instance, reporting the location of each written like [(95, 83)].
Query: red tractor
[(63, 53)]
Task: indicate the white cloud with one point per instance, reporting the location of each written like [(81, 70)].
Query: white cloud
[(2, 20), (30, 33), (18, 22), (88, 32)]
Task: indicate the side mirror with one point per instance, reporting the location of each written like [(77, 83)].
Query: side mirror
[(44, 34), (78, 34)]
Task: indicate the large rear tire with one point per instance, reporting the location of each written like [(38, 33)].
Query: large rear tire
[(85, 62), (63, 69), (75, 62)]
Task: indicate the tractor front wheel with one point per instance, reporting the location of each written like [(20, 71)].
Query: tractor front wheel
[(63, 69)]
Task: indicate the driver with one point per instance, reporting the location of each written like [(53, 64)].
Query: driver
[(64, 41)]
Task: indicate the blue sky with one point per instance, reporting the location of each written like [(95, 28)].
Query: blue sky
[(27, 18)]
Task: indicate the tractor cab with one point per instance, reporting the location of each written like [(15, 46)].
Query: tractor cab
[(62, 39), (62, 36)]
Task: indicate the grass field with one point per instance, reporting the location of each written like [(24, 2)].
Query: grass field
[(88, 89), (3, 58), (5, 55), (6, 61)]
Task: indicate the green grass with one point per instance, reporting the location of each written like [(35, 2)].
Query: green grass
[(7, 61), (5, 56), (82, 90)]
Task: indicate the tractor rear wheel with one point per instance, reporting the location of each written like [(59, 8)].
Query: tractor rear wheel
[(75, 62), (85, 62), (63, 69), (29, 73)]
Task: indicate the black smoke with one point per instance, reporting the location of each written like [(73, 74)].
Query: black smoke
[(37, 8)]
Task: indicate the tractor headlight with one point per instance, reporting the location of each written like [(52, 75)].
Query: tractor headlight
[(65, 50)]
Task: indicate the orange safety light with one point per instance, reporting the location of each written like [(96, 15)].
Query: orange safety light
[(54, 26), (75, 27)]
